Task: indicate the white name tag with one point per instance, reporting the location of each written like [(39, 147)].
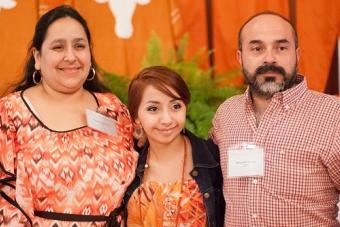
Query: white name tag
[(246, 161), (100, 122)]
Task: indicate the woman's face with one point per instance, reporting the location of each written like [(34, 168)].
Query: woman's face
[(162, 117), (65, 58)]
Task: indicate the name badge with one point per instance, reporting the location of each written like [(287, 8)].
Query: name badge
[(100, 122), (246, 161)]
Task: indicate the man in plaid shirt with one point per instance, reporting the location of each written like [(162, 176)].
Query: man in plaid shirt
[(279, 142)]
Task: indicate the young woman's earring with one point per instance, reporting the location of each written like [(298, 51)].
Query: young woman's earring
[(139, 134), (138, 131)]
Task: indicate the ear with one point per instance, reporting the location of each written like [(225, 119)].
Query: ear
[(298, 53), (239, 56), (36, 55)]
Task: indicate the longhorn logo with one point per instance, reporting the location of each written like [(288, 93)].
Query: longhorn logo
[(123, 11), (7, 4)]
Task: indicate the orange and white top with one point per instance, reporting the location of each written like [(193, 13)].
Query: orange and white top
[(79, 171), (156, 204)]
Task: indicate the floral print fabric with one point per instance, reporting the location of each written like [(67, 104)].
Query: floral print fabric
[(155, 204)]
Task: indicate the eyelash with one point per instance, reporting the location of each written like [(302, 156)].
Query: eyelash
[(152, 109), (76, 46), (257, 49), (175, 107), (283, 48), (260, 48), (79, 46), (57, 47)]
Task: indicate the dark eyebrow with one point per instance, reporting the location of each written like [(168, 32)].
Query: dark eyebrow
[(57, 41), (174, 100), (276, 41), (63, 40), (156, 102), (79, 39), (152, 102), (282, 41), (255, 41)]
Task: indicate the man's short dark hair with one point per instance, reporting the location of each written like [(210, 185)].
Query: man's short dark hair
[(267, 13)]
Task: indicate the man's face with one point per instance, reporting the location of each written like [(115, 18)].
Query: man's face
[(268, 57)]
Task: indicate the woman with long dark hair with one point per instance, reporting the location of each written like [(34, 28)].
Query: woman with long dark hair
[(66, 145)]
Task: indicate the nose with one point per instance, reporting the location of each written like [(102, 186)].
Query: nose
[(166, 117), (269, 57), (70, 55)]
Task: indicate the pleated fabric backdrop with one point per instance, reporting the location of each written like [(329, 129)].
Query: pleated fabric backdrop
[(121, 30)]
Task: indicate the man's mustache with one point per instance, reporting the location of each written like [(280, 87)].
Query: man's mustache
[(270, 68)]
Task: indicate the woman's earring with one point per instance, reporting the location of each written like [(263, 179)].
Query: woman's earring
[(93, 74), (138, 131), (34, 77), (139, 134)]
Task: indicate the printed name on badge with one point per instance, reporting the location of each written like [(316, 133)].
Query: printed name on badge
[(100, 122), (246, 161)]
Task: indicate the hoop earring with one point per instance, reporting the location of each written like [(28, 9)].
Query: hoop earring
[(93, 74), (35, 81)]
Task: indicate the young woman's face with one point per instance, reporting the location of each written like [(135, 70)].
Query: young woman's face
[(162, 117), (65, 58)]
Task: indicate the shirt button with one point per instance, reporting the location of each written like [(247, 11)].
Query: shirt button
[(254, 181), (194, 173), (254, 215), (206, 195), (282, 152)]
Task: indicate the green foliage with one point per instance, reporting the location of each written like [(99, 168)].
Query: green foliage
[(206, 94), (118, 85)]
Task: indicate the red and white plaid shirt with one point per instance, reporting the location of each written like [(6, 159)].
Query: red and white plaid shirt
[(300, 135)]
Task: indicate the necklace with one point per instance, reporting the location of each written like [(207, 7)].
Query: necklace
[(147, 165)]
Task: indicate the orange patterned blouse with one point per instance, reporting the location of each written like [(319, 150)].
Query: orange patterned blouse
[(80, 171), (154, 204)]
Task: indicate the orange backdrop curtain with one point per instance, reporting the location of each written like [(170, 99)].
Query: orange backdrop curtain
[(228, 18), (45, 5), (16, 29), (194, 24), (317, 25), (125, 56), (113, 54)]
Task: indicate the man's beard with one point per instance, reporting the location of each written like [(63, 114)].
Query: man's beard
[(269, 87)]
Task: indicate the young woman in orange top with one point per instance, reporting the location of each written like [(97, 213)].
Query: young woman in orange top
[(178, 180)]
